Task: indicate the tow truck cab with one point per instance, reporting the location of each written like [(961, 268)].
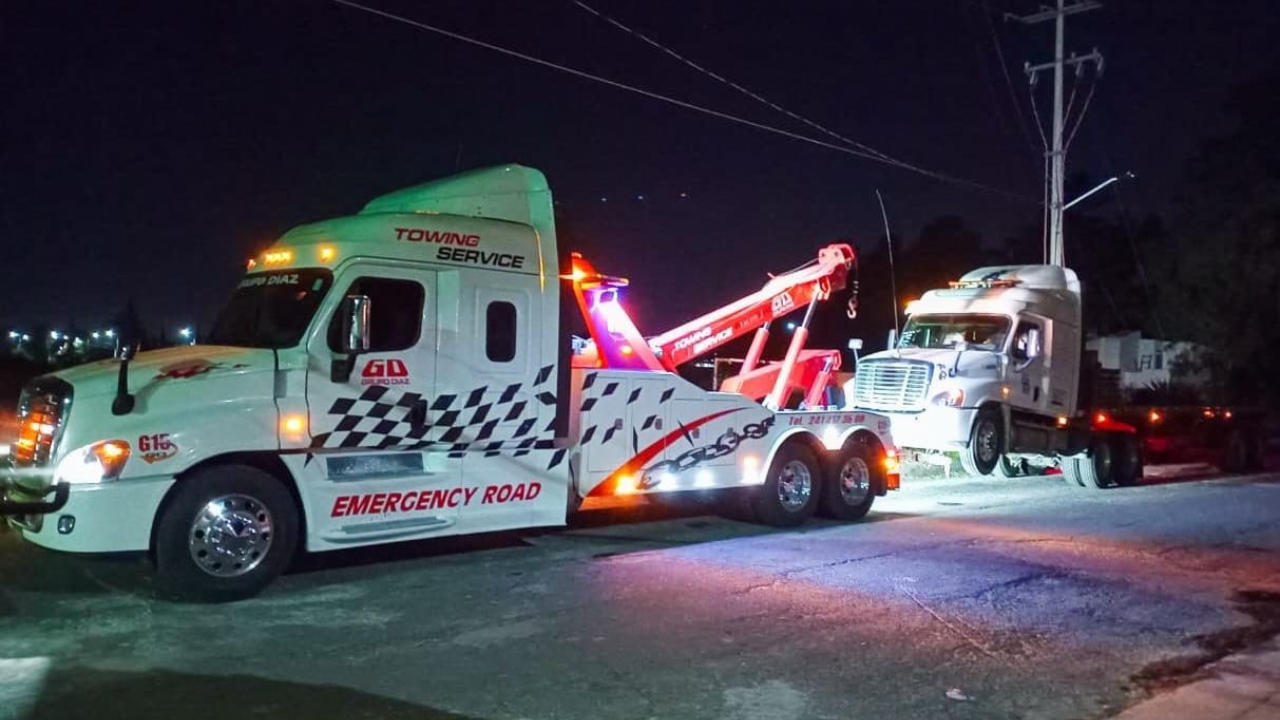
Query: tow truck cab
[(396, 374)]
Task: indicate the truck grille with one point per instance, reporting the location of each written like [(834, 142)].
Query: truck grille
[(42, 410), (891, 385)]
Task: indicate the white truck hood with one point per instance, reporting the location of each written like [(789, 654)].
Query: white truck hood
[(149, 372)]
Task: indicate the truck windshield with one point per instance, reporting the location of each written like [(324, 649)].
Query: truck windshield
[(271, 309), (979, 332)]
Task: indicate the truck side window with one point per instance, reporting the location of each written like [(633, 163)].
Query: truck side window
[(1023, 340), (396, 322), (500, 331)]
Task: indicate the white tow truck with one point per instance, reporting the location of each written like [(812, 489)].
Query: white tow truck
[(407, 372), (994, 367)]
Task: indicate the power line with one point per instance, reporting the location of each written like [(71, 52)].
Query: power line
[(985, 72), (679, 103), (1004, 68), (1083, 109), (753, 95)]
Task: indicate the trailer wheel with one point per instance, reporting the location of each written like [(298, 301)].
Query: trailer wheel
[(1126, 463), (850, 487), (1095, 468), (1070, 471), (986, 443), (790, 491), (225, 534)]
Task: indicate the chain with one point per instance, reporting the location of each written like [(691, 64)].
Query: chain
[(726, 444)]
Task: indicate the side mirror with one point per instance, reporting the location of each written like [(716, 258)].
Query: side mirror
[(893, 340), (355, 311), (1033, 343), (855, 344)]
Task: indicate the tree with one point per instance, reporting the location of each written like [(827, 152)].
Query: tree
[(1222, 274), (128, 325)]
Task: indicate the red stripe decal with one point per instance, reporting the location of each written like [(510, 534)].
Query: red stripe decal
[(606, 487)]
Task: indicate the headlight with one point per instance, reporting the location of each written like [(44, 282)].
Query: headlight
[(950, 398), (99, 462)]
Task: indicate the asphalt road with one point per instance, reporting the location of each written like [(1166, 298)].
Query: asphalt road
[(955, 599)]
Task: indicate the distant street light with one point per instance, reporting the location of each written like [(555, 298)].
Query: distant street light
[(1101, 185)]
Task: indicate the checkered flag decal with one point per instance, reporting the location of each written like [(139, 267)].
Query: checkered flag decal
[(381, 419)]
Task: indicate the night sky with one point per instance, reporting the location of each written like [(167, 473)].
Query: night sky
[(148, 148)]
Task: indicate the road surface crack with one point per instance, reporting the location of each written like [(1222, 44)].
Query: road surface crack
[(975, 643)]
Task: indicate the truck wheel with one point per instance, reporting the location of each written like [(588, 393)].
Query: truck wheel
[(1007, 469), (789, 494), (850, 487), (225, 533), (1070, 471), (986, 443), (1126, 460), (1095, 467)]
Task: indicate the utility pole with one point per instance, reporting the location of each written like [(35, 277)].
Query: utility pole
[(1056, 153)]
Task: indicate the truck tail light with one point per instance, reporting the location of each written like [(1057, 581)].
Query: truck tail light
[(891, 463), (892, 477)]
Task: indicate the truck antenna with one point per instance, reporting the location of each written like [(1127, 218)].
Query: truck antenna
[(893, 284)]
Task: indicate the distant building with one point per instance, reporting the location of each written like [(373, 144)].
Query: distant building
[(1141, 362)]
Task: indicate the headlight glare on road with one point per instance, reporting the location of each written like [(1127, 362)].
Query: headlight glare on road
[(96, 463)]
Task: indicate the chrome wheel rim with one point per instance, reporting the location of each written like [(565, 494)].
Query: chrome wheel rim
[(231, 535), (795, 485), (855, 481)]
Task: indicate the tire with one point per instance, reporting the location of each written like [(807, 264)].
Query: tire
[(224, 534), (1007, 469), (1071, 471), (1095, 468), (986, 443), (851, 483), (789, 495), (1126, 459)]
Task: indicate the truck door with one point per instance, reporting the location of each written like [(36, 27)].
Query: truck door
[(380, 480), (1029, 376)]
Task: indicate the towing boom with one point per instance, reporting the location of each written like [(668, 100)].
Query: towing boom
[(782, 295)]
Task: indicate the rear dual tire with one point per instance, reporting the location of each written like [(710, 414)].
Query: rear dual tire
[(1113, 459), (797, 485)]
